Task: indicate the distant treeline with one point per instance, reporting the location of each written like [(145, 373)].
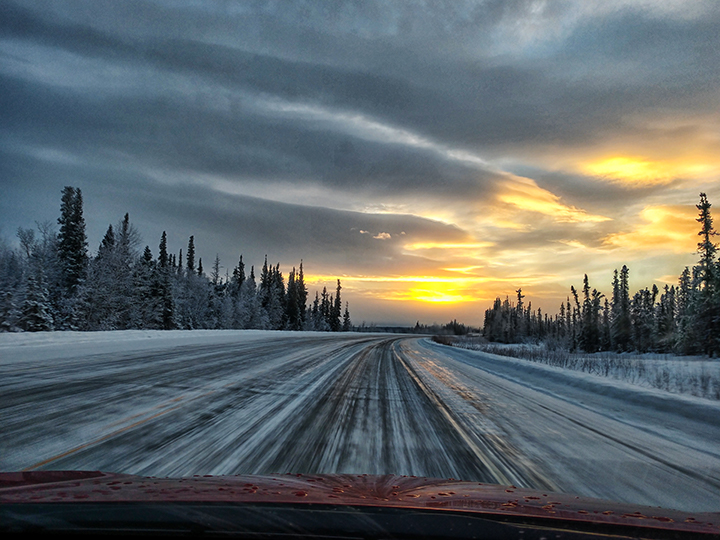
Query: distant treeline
[(453, 328), (51, 282), (679, 319)]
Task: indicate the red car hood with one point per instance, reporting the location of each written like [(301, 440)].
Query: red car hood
[(506, 503)]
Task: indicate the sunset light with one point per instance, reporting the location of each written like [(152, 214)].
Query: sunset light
[(526, 195), (644, 172), (360, 268), (525, 151), (437, 294)]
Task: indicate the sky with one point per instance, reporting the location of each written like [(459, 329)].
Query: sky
[(432, 155)]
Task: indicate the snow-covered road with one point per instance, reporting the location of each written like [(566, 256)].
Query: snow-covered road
[(183, 403)]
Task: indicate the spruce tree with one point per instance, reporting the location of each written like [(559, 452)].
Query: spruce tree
[(706, 247), (292, 311), (707, 318), (620, 324), (8, 313), (35, 311), (347, 324), (335, 314), (163, 259), (190, 256), (301, 294), (164, 285), (72, 241)]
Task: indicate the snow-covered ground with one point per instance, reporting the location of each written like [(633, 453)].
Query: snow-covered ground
[(34, 346), (227, 402), (693, 375)]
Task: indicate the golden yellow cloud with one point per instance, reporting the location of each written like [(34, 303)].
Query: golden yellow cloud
[(666, 228), (525, 194), (642, 171)]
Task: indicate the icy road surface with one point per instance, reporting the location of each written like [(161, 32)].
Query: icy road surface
[(226, 402)]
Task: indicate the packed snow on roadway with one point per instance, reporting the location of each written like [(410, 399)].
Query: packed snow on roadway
[(178, 403), (29, 346)]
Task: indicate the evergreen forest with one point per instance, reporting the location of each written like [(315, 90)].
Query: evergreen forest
[(51, 282), (682, 318)]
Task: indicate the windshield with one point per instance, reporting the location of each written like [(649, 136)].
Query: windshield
[(229, 231)]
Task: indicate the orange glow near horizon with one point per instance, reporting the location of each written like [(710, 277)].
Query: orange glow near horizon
[(426, 289), (465, 276), (446, 290)]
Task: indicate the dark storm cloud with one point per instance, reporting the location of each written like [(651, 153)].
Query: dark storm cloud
[(303, 53), (473, 102)]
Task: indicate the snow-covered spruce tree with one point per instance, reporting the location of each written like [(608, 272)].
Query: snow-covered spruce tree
[(686, 338), (8, 313), (326, 303), (164, 286), (666, 320), (314, 316), (620, 326), (11, 270), (277, 301), (296, 299), (193, 303), (271, 292), (347, 324), (98, 296), (292, 310), (708, 298), (642, 318), (301, 295), (706, 247), (125, 259), (590, 318), (249, 312), (109, 301), (237, 279), (336, 310), (190, 255), (217, 289), (72, 241), (146, 308), (187, 311), (71, 254), (35, 310)]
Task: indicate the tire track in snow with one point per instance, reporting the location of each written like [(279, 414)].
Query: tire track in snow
[(347, 404), (303, 405), (85, 399), (584, 442)]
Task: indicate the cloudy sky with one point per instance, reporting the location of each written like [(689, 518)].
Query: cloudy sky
[(433, 155)]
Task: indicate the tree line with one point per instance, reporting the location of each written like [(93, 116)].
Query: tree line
[(51, 282), (682, 318)]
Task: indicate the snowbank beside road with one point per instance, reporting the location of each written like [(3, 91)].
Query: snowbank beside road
[(690, 375), (561, 382), (33, 346)]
